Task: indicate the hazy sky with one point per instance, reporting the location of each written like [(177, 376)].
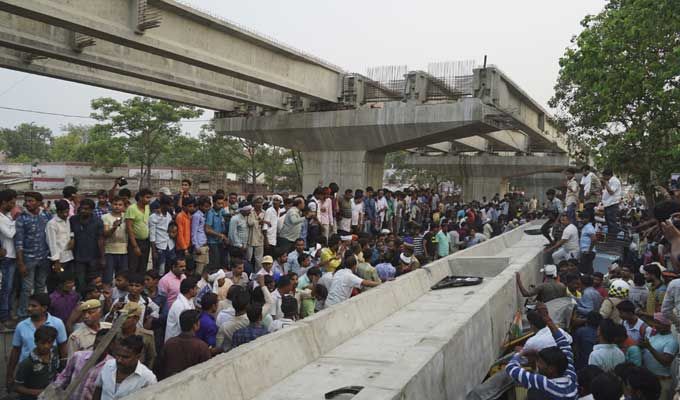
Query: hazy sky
[(525, 38)]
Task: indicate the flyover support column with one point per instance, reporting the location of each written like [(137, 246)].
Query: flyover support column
[(538, 184), (349, 169), (476, 187)]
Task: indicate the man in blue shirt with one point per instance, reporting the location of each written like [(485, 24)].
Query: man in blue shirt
[(216, 230), (587, 242), (30, 242), (199, 239), (590, 299), (369, 210), (556, 375), (23, 341)]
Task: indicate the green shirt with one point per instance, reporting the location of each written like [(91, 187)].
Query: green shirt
[(307, 307), (140, 221), (442, 244)]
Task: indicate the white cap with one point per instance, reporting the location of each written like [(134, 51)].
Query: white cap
[(405, 259), (661, 267), (220, 274), (550, 270)]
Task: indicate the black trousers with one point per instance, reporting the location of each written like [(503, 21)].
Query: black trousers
[(139, 264)]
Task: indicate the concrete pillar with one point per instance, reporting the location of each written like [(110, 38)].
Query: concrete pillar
[(538, 184), (349, 169), (477, 187)]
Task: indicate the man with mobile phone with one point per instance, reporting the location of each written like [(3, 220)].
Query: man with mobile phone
[(115, 240)]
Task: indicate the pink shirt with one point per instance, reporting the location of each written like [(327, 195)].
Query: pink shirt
[(169, 285)]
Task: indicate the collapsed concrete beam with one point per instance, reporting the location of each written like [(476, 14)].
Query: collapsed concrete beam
[(517, 110), (15, 60), (507, 140), (472, 143), (192, 37), (35, 37), (491, 165), (393, 126)]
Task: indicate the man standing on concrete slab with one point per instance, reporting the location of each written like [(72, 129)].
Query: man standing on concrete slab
[(553, 208), (591, 188), (611, 197), (571, 199)]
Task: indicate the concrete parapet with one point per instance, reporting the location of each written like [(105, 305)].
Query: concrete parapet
[(399, 340)]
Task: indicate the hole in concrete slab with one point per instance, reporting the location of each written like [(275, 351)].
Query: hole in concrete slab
[(469, 293), (344, 393)]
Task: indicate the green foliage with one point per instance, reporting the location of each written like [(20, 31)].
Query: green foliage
[(406, 174), (26, 142), (142, 128), (618, 90), (250, 160)]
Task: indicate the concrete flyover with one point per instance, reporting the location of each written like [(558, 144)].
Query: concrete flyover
[(175, 32), (486, 174), (348, 145), (399, 341)]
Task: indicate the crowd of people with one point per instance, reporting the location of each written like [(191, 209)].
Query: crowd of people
[(195, 275), (620, 338)]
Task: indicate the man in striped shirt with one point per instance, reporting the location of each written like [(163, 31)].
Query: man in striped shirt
[(556, 375)]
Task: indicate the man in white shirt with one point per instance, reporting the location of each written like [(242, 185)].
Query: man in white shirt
[(358, 211), (271, 220), (344, 280), (124, 375), (187, 291), (381, 207), (543, 338), (567, 247), (571, 199), (8, 263), (611, 197), (591, 188)]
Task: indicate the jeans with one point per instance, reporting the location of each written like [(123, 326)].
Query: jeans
[(115, 263), (258, 252), (586, 264), (84, 271), (34, 281), (8, 267), (165, 257), (139, 264), (571, 213), (545, 229), (611, 216), (217, 256)]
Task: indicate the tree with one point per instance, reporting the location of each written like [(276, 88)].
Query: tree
[(251, 159), (406, 174), (26, 142), (618, 89), (143, 128), (183, 151), (72, 145)]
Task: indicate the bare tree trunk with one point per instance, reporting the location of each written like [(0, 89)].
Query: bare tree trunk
[(297, 160)]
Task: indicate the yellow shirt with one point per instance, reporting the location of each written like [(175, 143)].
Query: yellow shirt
[(327, 254)]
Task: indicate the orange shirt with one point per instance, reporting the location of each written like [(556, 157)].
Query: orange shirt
[(183, 222)]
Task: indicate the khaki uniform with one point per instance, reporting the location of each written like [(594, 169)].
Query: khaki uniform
[(83, 338)]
